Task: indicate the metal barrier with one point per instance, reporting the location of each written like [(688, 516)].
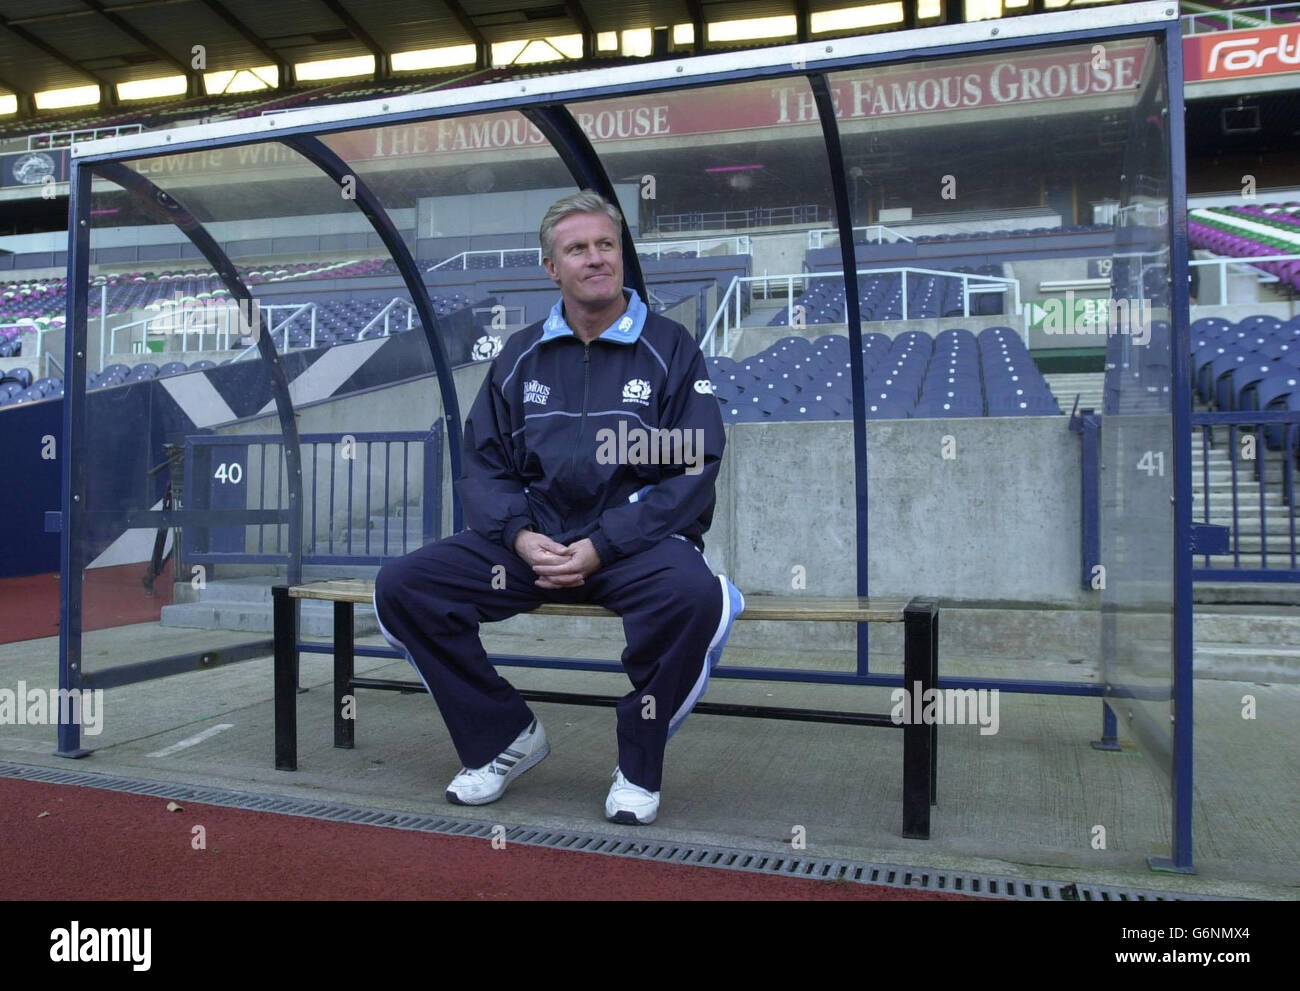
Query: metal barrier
[(872, 234), (201, 321), (65, 139), (742, 244), (460, 262), (222, 471), (1245, 19), (1246, 265), (806, 213), (383, 318), (40, 330), (1260, 509), (733, 305)]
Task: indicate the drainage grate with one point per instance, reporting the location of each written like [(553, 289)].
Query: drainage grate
[(727, 858)]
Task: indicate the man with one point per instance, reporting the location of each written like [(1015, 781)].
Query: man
[(590, 460)]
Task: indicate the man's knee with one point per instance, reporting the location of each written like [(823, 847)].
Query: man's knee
[(693, 591), (392, 582)]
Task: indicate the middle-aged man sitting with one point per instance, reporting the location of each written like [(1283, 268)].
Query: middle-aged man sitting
[(590, 460)]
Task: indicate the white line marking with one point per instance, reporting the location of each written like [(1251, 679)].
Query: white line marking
[(191, 740)]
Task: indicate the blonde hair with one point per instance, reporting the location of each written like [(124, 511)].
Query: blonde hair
[(586, 201)]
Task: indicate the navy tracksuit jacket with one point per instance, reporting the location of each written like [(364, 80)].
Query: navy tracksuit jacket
[(547, 444)]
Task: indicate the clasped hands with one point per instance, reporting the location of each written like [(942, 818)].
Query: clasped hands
[(557, 565)]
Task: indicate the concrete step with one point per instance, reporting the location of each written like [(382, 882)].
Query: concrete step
[(1246, 559), (370, 542), (1266, 594), (1225, 662), (231, 590), (1267, 626), (1248, 517)]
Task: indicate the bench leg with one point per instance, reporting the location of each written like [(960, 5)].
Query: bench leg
[(343, 671), (920, 627), (286, 679)]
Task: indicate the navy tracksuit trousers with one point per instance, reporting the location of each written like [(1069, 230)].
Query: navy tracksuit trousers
[(430, 604)]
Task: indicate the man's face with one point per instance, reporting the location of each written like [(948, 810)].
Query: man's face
[(587, 260)]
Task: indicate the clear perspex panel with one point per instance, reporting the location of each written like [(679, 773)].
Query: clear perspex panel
[(1010, 215), (181, 412)]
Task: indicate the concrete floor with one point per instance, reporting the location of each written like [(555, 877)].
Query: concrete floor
[(1023, 802)]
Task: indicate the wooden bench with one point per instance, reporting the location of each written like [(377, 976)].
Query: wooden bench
[(920, 665)]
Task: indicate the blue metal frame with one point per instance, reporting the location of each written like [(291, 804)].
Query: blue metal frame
[(1233, 419), (431, 481), (581, 159), (71, 540), (853, 313), (1088, 426), (1180, 361)]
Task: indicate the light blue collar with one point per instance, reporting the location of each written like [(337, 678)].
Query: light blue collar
[(625, 330)]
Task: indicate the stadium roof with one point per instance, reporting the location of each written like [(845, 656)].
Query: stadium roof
[(57, 44)]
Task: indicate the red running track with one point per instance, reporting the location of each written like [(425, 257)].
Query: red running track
[(87, 844), (29, 606)]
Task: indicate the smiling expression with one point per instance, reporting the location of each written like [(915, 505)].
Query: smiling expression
[(587, 260)]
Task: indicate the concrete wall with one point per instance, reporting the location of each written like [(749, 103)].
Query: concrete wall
[(780, 254), (997, 523)]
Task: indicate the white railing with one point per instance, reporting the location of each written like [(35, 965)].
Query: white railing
[(31, 325), (383, 317), (731, 307), (1245, 19), (742, 244), (461, 261), (62, 139), (221, 323), (250, 321), (1245, 265), (875, 234), (47, 360)]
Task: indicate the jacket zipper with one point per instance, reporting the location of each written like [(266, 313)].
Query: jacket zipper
[(582, 421)]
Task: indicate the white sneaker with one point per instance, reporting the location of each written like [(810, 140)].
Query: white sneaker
[(630, 804), (482, 785)]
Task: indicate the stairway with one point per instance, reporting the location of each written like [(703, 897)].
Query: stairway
[(1086, 385), (386, 536), (245, 604)]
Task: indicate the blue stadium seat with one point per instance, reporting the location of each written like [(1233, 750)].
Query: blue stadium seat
[(22, 376)]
